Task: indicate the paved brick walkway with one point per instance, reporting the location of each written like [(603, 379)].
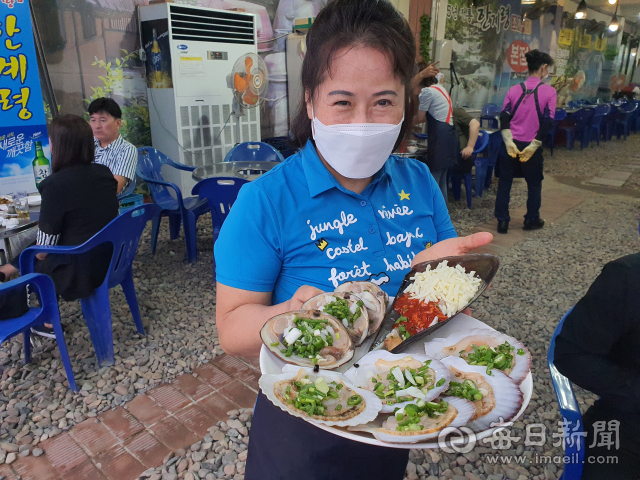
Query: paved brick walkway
[(120, 444)]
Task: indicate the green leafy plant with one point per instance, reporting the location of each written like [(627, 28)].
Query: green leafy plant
[(425, 38), (113, 74)]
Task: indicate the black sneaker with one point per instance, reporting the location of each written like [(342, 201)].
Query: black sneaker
[(43, 331), (533, 224), (503, 226)]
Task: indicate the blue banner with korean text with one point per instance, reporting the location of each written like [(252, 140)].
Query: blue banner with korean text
[(24, 143)]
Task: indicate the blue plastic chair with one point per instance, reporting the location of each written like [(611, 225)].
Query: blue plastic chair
[(123, 233), (221, 193), (575, 442), (573, 104), (128, 190), (48, 312), (253, 152), (490, 113), (576, 126), (560, 115), (178, 209), (634, 121), (597, 121), (623, 116), (456, 179), (486, 163), (283, 145)]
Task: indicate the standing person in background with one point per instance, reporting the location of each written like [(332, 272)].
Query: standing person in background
[(443, 148), (468, 129), (111, 149), (527, 115)]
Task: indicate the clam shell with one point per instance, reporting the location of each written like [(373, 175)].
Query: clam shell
[(273, 331), (443, 347), (360, 376), (375, 315), (465, 410), (372, 403), (507, 394), (358, 332)]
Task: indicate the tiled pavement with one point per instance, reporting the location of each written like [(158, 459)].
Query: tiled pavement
[(120, 444)]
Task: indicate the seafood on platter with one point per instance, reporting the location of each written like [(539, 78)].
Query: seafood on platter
[(485, 348), (322, 397), (348, 308), (496, 397), (420, 421), (374, 298), (308, 338), (399, 379)]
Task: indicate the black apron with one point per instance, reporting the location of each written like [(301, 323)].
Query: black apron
[(443, 146), (284, 447)]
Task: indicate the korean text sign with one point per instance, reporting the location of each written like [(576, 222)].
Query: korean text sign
[(23, 131)]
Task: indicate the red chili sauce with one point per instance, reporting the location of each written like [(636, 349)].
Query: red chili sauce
[(419, 314)]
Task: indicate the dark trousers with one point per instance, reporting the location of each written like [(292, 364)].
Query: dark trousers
[(600, 462), (532, 173), (284, 447)]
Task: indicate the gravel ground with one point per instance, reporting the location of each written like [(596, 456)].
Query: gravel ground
[(177, 302)]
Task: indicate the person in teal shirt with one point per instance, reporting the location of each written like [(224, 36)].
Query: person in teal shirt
[(341, 209)]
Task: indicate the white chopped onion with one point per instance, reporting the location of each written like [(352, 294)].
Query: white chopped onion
[(345, 323), (397, 373), (369, 300), (353, 307), (330, 330), (329, 299), (409, 376), (412, 392), (316, 333), (293, 335)]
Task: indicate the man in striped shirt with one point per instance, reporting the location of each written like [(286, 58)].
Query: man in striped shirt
[(111, 149)]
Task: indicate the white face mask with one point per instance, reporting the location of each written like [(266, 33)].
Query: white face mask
[(355, 150)]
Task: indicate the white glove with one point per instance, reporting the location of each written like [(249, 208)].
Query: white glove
[(512, 150), (529, 150)]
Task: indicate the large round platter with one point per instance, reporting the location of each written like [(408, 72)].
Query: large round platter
[(271, 364)]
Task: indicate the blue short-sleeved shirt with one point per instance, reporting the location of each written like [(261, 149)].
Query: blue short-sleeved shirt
[(296, 225)]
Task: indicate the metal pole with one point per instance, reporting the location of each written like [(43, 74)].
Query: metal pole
[(42, 66)]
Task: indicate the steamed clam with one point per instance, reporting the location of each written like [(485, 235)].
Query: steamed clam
[(399, 379), (348, 308), (374, 299), (420, 421), (496, 397), (308, 338), (484, 347)]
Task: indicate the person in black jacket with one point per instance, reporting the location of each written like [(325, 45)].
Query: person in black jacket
[(598, 349), (78, 200)]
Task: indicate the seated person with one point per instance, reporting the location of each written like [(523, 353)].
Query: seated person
[(599, 350), (468, 129), (111, 149), (78, 200)]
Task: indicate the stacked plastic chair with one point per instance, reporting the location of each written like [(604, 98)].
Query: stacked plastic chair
[(456, 180)]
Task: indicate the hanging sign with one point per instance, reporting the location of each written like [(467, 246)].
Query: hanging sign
[(585, 41), (515, 55), (566, 37), (601, 44), (24, 143)]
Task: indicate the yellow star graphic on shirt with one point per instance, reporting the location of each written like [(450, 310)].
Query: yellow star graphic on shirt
[(404, 196)]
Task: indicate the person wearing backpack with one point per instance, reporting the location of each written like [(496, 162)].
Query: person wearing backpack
[(526, 118)]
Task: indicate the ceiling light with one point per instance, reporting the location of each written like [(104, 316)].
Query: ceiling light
[(612, 2), (582, 11), (614, 25)]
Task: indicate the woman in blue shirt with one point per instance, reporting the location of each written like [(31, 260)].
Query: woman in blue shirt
[(341, 209)]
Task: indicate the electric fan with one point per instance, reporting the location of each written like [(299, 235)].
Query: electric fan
[(249, 82)]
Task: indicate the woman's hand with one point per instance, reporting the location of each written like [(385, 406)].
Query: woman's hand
[(303, 294), (453, 247)]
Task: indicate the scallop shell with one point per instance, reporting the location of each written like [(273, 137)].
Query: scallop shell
[(339, 354), (464, 411), (357, 332), (268, 385), (443, 347), (360, 376), (507, 394), (378, 300)]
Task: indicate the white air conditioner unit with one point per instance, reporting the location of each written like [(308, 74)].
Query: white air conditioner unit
[(190, 51)]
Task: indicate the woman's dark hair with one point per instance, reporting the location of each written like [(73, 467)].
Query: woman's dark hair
[(71, 142), (536, 58), (105, 105), (348, 24)]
